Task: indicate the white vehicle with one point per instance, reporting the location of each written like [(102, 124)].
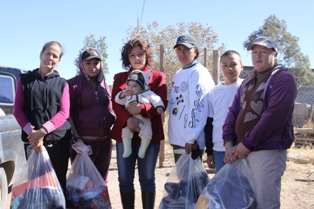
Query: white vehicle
[(12, 155)]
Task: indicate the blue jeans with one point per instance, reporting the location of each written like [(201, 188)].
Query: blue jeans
[(219, 163), (219, 160), (146, 168)]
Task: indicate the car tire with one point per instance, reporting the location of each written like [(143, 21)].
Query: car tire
[(3, 188)]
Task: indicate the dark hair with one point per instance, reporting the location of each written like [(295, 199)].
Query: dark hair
[(126, 49), (229, 53), (52, 43), (197, 54)]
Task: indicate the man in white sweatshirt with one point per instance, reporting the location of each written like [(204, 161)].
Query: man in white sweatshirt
[(188, 107)]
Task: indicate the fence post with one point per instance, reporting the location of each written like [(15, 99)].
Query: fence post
[(215, 72), (205, 57), (162, 143)]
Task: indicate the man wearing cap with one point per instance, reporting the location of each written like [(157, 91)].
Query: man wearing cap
[(259, 122), (188, 107)]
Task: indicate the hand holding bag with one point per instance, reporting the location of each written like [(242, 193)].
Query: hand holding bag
[(85, 186), (231, 187), (185, 183), (37, 185)]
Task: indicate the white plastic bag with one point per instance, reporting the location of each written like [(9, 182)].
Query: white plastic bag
[(185, 183), (85, 186), (231, 187), (37, 185)]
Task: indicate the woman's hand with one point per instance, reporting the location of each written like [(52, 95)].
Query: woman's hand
[(134, 124), (160, 110), (36, 139), (134, 108), (188, 148), (39, 146)]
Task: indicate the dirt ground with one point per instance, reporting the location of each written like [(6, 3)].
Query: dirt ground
[(294, 194), (297, 182)]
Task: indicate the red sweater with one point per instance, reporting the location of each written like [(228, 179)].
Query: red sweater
[(157, 83)]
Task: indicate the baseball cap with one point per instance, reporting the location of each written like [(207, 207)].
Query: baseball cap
[(267, 42), (186, 40), (89, 54)]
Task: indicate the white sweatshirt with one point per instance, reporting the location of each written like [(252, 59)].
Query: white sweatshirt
[(220, 98), (188, 109)]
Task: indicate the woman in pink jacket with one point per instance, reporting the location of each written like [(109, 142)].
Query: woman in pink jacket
[(42, 108)]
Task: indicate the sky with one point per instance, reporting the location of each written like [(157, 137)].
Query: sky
[(25, 26)]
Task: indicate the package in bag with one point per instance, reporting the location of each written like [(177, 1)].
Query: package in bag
[(185, 183), (231, 187), (86, 188), (37, 185)]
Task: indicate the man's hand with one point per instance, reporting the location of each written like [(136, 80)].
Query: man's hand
[(229, 156), (240, 151), (210, 161)]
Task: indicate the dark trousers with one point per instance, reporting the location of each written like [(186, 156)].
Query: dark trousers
[(177, 156), (101, 155)]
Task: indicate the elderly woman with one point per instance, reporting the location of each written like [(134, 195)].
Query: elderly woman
[(42, 109)]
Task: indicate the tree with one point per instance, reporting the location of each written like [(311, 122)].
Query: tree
[(100, 45), (156, 35), (289, 52)]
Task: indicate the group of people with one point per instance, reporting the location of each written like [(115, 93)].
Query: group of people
[(249, 119)]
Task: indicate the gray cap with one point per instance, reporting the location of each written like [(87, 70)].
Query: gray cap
[(267, 42), (89, 54), (186, 40)]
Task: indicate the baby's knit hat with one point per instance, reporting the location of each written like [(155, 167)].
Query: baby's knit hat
[(140, 77)]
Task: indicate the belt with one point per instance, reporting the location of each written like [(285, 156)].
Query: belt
[(91, 138)]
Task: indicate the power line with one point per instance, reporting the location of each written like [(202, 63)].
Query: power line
[(142, 11)]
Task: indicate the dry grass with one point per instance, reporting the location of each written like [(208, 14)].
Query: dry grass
[(309, 124), (301, 155), (307, 151)]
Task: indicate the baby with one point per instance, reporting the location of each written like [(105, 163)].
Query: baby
[(137, 90)]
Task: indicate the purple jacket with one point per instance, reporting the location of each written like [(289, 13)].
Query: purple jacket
[(275, 128), (91, 113), (91, 116)]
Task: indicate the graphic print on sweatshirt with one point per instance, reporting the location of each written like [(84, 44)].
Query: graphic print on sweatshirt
[(179, 105), (254, 109)]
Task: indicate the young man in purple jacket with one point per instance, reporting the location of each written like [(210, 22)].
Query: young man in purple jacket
[(259, 126)]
